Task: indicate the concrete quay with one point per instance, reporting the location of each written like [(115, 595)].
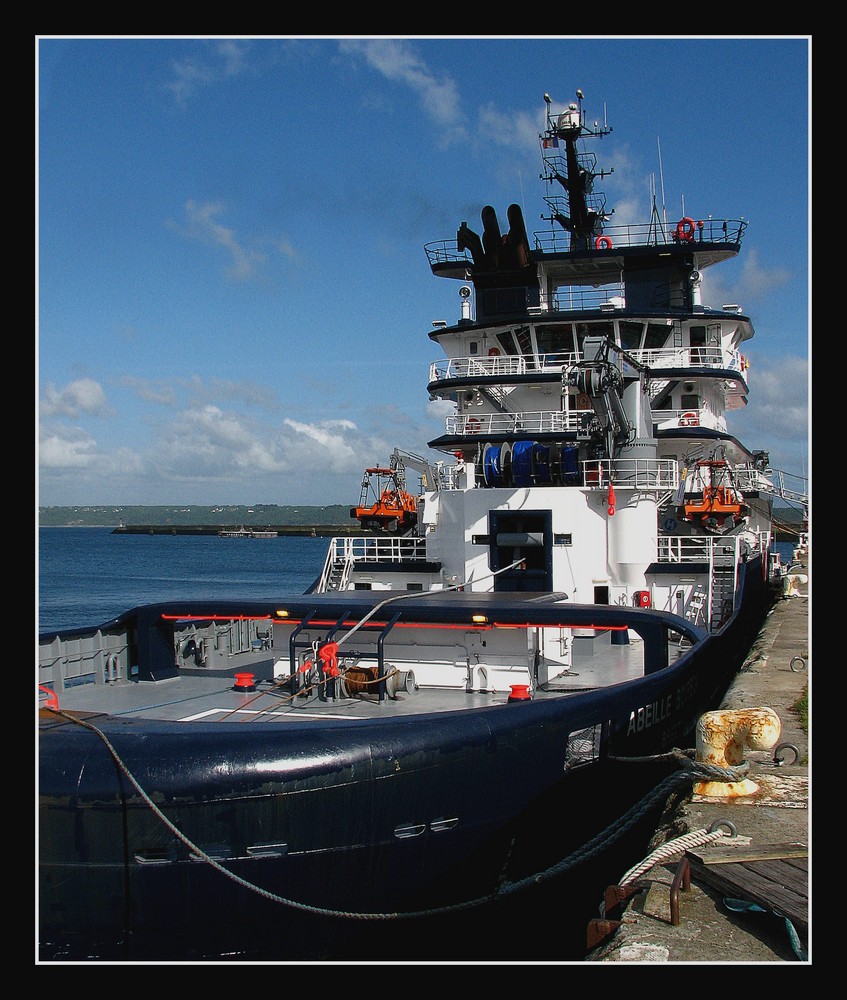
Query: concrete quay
[(711, 921)]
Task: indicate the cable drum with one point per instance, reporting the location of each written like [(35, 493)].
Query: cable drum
[(491, 465), (540, 464), (506, 464), (522, 463)]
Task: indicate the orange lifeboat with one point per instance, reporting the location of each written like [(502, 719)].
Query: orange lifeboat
[(720, 506), (384, 504)]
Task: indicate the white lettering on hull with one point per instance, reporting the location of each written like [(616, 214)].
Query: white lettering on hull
[(650, 715)]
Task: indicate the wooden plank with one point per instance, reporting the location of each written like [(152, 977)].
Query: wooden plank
[(716, 854), (776, 885)]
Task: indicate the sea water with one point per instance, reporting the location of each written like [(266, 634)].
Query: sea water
[(86, 576)]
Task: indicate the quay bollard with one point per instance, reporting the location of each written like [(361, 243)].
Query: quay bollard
[(721, 739)]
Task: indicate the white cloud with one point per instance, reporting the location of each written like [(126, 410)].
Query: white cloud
[(201, 225), (753, 283), (84, 395), (778, 420), (397, 61), (213, 63), (64, 449), (518, 130), (326, 443)]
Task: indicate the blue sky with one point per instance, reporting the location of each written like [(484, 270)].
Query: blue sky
[(233, 296)]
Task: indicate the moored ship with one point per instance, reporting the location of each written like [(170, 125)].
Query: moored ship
[(570, 587)]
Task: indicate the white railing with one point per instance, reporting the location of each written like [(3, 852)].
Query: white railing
[(532, 422), (691, 357), (790, 487), (343, 552), (503, 366), (698, 417), (559, 422), (625, 473)]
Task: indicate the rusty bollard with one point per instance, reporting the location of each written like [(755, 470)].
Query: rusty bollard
[(721, 739)]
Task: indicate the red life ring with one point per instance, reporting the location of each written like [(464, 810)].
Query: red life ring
[(493, 352), (473, 426), (52, 698), (603, 243), (689, 419), (685, 230)]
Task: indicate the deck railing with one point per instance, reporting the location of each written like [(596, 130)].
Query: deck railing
[(504, 366), (710, 231)]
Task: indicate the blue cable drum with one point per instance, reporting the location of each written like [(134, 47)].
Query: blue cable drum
[(522, 463), (506, 464), (540, 464), (491, 465)]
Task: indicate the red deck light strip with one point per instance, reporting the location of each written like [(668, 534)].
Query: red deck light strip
[(444, 625)]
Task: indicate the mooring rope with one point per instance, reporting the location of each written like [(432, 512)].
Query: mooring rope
[(672, 849), (422, 593)]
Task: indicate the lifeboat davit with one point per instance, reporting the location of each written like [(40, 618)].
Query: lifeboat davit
[(719, 506), (384, 504)]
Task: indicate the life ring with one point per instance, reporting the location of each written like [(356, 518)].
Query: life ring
[(689, 419), (473, 426), (52, 698), (494, 352), (603, 243), (685, 230)]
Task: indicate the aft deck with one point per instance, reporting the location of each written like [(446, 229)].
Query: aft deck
[(433, 659)]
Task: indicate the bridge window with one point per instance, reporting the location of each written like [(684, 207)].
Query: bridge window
[(657, 335), (630, 334), (555, 338), (506, 342)]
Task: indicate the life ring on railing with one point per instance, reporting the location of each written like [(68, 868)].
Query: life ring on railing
[(689, 419), (685, 230), (52, 698), (473, 426), (494, 352), (603, 243)]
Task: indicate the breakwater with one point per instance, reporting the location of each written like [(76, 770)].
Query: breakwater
[(301, 530)]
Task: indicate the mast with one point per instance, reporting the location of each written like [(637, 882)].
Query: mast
[(579, 211)]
